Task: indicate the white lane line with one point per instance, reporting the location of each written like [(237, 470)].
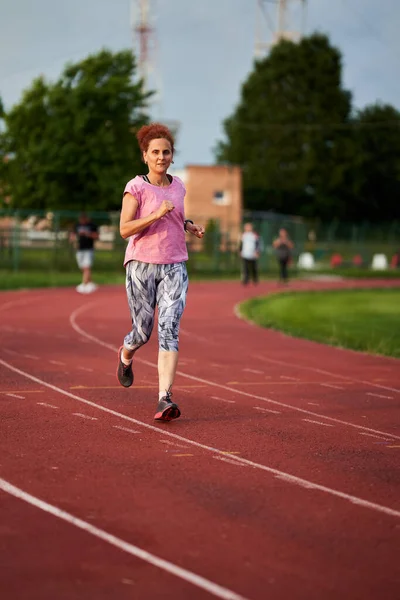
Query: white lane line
[(57, 362), (172, 444), (31, 356), (83, 416), (19, 301), (228, 460), (15, 396), (275, 402), (313, 403), (268, 410), (329, 385), (100, 342), (323, 372), (253, 371), (286, 479), (9, 351), (378, 437), (289, 378), (290, 478), (87, 369), (318, 423), (48, 405), (380, 396), (126, 429), (156, 561), (223, 399)]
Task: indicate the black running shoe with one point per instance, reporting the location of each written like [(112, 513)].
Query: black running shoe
[(166, 409), (124, 372)]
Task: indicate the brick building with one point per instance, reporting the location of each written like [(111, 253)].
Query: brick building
[(214, 192)]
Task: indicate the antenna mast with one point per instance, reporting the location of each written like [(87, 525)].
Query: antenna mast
[(143, 37), (145, 48), (287, 24)]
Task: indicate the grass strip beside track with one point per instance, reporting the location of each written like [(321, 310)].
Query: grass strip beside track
[(366, 320), (10, 280), (44, 278)]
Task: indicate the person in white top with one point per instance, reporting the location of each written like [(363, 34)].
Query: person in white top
[(249, 251)]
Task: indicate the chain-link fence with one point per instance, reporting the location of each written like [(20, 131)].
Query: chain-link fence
[(41, 241)]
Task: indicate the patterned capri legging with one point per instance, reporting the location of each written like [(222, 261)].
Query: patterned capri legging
[(148, 285)]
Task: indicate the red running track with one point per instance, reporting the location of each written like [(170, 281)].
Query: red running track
[(281, 479)]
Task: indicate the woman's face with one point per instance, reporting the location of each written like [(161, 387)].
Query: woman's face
[(158, 156)]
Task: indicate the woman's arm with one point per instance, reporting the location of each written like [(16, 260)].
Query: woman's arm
[(128, 225), (196, 230)]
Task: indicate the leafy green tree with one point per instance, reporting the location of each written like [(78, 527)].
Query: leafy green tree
[(71, 144), (290, 132), (377, 133), (3, 157), (212, 238)]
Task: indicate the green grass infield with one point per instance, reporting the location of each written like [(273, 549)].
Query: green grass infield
[(364, 320)]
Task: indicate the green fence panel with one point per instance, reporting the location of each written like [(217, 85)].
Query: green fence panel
[(39, 240)]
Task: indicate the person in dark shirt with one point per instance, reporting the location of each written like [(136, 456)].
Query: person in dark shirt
[(85, 233), (283, 249)]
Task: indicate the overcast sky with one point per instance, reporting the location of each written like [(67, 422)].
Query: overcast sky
[(205, 51)]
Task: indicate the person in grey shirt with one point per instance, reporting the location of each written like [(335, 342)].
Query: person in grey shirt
[(249, 251)]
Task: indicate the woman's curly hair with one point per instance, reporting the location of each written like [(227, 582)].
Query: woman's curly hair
[(154, 131)]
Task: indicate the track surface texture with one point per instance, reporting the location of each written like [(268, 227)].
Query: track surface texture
[(279, 481)]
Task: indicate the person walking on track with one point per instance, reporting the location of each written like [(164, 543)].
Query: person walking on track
[(153, 218), (85, 234), (283, 248), (249, 251)]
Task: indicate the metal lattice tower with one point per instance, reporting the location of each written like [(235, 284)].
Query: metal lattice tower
[(143, 38), (143, 14), (288, 23)]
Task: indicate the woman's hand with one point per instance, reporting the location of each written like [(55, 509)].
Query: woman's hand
[(196, 230), (165, 208)]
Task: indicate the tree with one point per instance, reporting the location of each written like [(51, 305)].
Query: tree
[(71, 144), (290, 132), (3, 157), (377, 133)]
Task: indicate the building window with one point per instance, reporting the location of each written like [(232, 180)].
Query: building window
[(221, 198)]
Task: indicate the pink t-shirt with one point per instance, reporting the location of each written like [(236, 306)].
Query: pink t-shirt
[(163, 242)]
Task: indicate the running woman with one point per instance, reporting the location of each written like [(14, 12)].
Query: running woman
[(153, 218)]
